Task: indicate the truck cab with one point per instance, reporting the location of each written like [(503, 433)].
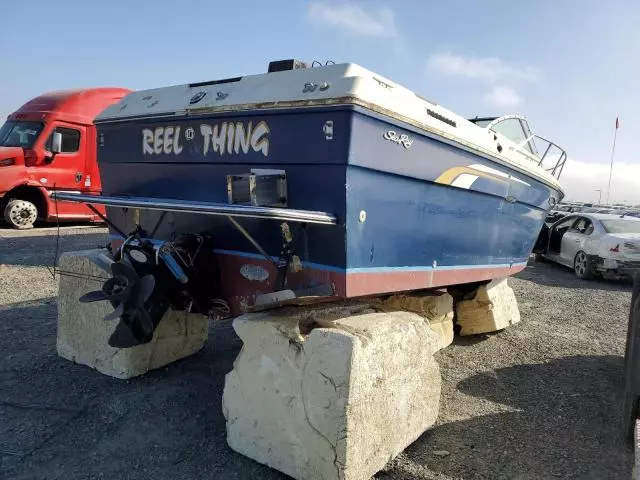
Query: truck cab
[(47, 145)]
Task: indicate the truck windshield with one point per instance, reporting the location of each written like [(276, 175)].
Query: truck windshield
[(19, 134)]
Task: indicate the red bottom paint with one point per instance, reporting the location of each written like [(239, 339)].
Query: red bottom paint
[(371, 283), (241, 292)]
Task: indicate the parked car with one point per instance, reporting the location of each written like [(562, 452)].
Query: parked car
[(560, 211), (632, 213), (592, 244)]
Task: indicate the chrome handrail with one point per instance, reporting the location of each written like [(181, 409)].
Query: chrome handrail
[(556, 169), (188, 206)]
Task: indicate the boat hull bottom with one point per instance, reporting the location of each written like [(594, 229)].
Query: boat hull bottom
[(242, 292), (246, 277)]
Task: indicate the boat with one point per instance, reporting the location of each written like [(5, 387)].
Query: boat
[(308, 183)]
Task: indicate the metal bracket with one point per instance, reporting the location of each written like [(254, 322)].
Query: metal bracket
[(253, 241), (106, 220), (286, 255)]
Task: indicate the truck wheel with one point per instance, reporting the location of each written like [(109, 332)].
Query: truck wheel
[(20, 214), (582, 266)]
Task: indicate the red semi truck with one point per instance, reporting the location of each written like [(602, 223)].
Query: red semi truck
[(49, 144)]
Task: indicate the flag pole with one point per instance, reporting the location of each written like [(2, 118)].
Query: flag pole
[(613, 149)]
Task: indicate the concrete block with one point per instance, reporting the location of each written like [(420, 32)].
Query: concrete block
[(320, 393), (83, 333), (492, 308), (436, 307)]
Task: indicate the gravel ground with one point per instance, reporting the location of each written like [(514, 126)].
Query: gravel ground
[(539, 400)]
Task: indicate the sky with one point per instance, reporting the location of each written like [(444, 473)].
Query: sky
[(570, 67)]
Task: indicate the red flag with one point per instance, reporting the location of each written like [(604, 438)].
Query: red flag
[(617, 123)]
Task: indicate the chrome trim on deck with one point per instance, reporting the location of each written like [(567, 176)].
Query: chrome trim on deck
[(186, 206)]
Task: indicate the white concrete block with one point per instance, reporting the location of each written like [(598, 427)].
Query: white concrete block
[(83, 333), (319, 394), (436, 307), (493, 308)]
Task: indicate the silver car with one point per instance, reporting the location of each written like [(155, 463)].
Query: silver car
[(593, 244)]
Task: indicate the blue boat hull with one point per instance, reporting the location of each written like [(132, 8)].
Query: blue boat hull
[(410, 216)]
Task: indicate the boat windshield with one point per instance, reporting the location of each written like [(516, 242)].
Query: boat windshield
[(482, 122), (514, 127), (19, 134), (517, 130)]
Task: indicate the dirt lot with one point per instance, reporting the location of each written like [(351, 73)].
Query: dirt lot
[(539, 400)]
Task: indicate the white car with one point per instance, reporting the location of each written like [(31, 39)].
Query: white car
[(593, 243)]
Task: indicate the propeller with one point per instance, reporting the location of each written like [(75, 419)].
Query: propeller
[(145, 282), (117, 289), (127, 292)]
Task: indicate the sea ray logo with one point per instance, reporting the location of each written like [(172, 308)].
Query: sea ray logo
[(400, 139)]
